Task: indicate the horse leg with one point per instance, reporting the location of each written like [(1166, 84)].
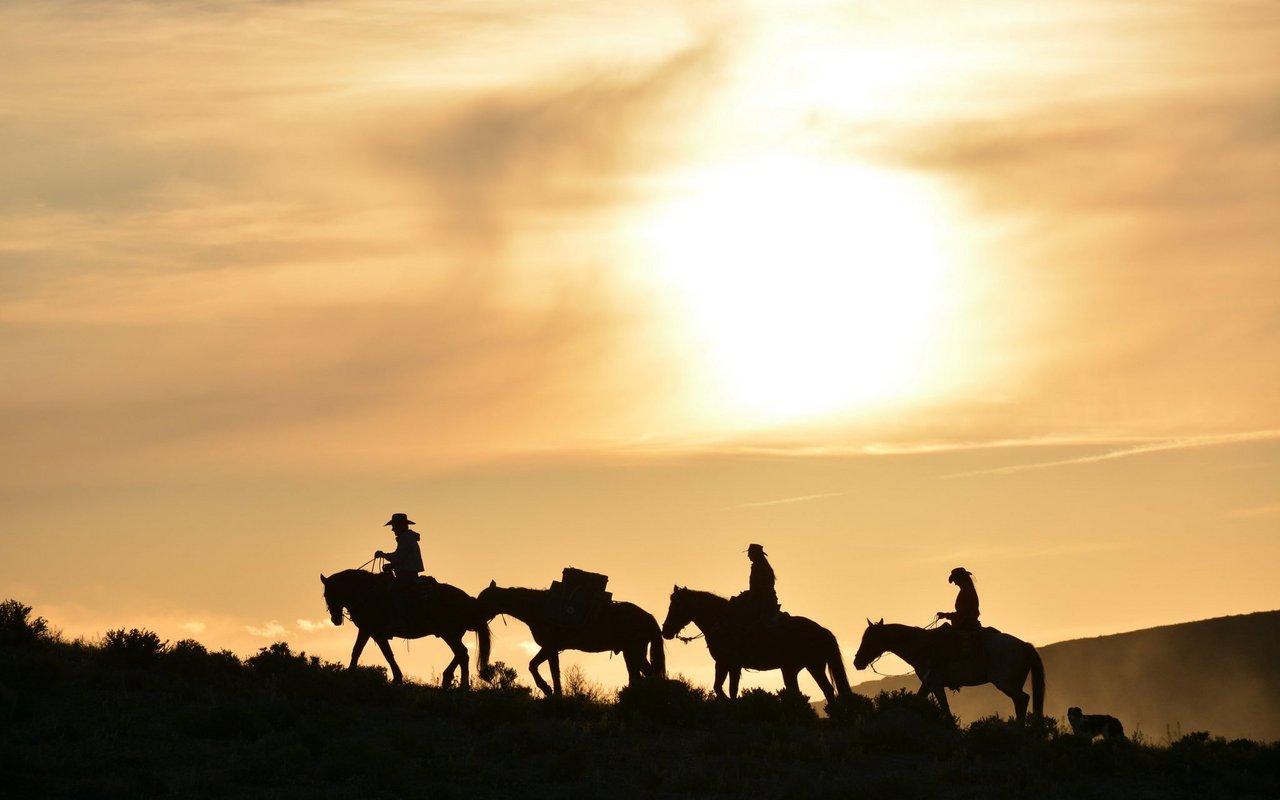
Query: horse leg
[(554, 662), (542, 655), (385, 646), (735, 675), (721, 672), (819, 673), (460, 659), (791, 680), (362, 639), (940, 694), (637, 664)]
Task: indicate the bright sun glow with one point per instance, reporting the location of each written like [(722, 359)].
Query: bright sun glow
[(813, 287)]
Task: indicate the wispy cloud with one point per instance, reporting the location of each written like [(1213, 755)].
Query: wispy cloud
[(308, 626), (1183, 443), (1255, 512), (196, 628), (789, 500)]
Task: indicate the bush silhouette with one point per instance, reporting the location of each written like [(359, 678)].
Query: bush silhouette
[(17, 627), (134, 648)]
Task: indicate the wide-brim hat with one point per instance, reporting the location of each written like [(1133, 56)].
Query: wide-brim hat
[(957, 572), (756, 548), (403, 519)]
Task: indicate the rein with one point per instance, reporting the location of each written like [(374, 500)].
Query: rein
[(687, 639)]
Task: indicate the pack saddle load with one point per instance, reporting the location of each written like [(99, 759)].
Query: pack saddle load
[(580, 596)]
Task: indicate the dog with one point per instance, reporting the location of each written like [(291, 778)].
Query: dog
[(1091, 726)]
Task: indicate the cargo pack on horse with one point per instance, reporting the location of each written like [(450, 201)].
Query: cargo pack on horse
[(436, 609), (999, 659), (565, 618)]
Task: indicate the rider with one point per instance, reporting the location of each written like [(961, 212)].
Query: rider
[(760, 600), (403, 564), (964, 620)]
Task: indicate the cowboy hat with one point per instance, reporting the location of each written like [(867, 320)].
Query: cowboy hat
[(403, 519)]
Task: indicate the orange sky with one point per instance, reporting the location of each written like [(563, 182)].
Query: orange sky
[(887, 288)]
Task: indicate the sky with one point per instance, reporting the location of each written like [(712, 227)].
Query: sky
[(886, 287)]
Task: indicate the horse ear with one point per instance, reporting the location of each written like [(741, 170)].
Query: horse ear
[(323, 579), (869, 622), (881, 622), (493, 584)]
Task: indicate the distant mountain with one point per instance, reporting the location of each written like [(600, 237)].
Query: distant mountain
[(1219, 675)]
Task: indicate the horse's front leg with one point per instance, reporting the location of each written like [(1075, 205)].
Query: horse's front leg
[(362, 639), (721, 673), (735, 675), (542, 655), (939, 693), (385, 646), (791, 680)]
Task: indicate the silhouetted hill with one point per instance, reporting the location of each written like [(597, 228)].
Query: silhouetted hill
[(1220, 675), (133, 716)]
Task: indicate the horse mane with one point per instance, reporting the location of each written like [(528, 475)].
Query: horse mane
[(703, 594)]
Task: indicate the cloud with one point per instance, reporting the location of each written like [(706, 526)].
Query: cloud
[(307, 626), (195, 628), (1254, 512), (1135, 450), (789, 500), (271, 630)]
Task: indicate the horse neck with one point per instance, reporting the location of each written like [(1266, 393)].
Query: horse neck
[(910, 644), (706, 608), (523, 604), (352, 589)]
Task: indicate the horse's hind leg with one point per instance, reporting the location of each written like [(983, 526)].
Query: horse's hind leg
[(819, 673), (735, 676), (460, 659), (385, 646)]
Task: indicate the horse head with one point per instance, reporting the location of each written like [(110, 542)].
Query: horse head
[(873, 645), (331, 600), (678, 613)]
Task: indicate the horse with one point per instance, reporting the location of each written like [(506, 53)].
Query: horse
[(793, 644), (438, 609), (619, 627), (1006, 662)]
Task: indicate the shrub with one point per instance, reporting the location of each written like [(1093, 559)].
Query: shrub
[(500, 677), (784, 707), (849, 708), (132, 648), (17, 627), (577, 685), (672, 700)]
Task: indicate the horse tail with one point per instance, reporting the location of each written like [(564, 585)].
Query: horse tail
[(485, 640), (1037, 682), (835, 662), (657, 653)]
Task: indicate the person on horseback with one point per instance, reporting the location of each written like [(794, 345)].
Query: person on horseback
[(759, 603), (964, 630), (403, 565)]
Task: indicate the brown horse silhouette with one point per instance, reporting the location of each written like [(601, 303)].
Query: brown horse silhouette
[(792, 644), (438, 610), (1005, 662), (620, 627)]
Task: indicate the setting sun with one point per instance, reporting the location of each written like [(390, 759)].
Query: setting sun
[(809, 287)]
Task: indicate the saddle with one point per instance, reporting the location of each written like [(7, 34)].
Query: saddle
[(579, 597)]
